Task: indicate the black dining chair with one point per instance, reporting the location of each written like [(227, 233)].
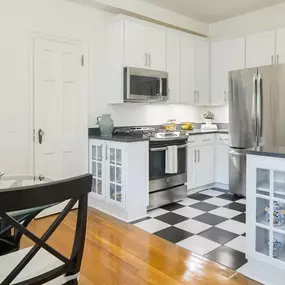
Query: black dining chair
[(41, 263)]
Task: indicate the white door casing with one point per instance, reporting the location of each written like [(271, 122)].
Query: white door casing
[(60, 109)]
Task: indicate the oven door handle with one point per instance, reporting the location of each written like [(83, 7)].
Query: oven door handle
[(165, 148)]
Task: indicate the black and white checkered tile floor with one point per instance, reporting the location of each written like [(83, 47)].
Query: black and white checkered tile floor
[(210, 223)]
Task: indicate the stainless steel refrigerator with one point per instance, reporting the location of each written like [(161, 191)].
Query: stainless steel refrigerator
[(256, 116)]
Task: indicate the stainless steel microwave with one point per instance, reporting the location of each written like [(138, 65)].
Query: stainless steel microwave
[(144, 85)]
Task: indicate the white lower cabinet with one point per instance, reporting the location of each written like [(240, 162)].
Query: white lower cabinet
[(200, 165), (120, 178), (222, 159), (208, 160), (205, 165)]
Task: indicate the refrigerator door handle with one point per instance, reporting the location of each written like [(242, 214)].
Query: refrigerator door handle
[(254, 108), (259, 109)]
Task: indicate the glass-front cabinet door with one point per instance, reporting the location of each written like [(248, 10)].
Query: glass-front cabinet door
[(97, 168), (115, 166)]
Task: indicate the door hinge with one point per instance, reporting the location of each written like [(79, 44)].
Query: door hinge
[(82, 60)]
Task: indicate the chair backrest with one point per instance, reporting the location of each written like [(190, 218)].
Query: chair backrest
[(19, 198), (22, 198)]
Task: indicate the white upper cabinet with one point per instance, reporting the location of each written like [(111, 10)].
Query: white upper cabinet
[(187, 70), (202, 73), (135, 45), (173, 66), (145, 46), (260, 49), (156, 48), (225, 56), (280, 45)]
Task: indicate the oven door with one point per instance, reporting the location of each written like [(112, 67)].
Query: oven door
[(142, 85), (158, 178)]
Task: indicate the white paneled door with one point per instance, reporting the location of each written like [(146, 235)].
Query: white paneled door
[(60, 109)]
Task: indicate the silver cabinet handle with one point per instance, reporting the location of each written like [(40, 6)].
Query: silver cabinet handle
[(277, 58), (198, 155), (272, 59), (106, 153), (206, 140), (145, 59), (149, 60), (198, 93), (225, 96), (195, 97), (195, 155)]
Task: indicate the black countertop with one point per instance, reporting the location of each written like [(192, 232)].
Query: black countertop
[(115, 138), (272, 151), (130, 139), (200, 132)]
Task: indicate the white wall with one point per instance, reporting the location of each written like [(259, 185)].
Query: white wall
[(140, 114), (18, 19), (260, 20)]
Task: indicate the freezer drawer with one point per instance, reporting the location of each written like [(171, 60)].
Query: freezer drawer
[(237, 172)]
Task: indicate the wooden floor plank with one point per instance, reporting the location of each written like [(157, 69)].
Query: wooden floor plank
[(117, 253)]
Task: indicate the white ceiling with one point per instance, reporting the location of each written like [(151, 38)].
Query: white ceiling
[(211, 11)]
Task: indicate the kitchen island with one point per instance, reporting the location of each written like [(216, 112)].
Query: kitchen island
[(265, 233)]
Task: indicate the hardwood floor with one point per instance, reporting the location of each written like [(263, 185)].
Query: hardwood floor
[(117, 253)]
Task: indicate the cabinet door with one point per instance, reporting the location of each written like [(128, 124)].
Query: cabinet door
[(173, 67), (218, 73), (115, 168), (156, 48), (187, 70), (280, 45), (97, 167), (205, 166), (202, 72), (222, 164), (260, 49), (191, 164), (135, 45), (225, 56)]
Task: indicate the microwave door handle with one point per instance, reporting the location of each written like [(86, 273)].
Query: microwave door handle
[(160, 87)]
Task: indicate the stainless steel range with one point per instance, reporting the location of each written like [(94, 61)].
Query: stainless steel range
[(164, 188)]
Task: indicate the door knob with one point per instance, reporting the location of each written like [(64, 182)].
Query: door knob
[(40, 134)]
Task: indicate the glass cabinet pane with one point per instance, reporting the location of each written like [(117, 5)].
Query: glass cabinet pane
[(94, 156), (99, 166), (99, 187), (262, 241), (279, 184), (94, 169), (94, 185), (100, 153), (112, 191), (262, 211), (119, 175), (263, 181), (112, 155), (119, 157), (278, 249), (112, 173), (119, 193)]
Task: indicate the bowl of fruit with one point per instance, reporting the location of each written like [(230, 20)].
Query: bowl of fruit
[(187, 126)]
